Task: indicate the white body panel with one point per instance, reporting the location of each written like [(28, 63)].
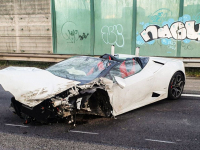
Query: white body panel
[(140, 87), (31, 86)]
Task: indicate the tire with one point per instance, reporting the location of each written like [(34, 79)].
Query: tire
[(176, 86)]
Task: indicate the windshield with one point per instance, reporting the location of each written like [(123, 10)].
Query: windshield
[(80, 68)]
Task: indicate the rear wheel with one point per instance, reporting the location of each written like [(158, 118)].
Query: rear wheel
[(176, 86)]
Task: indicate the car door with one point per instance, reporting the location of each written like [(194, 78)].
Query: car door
[(138, 89)]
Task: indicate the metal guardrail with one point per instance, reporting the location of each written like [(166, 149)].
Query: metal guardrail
[(34, 57), (188, 62)]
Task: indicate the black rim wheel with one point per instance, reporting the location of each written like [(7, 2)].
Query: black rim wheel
[(176, 85)]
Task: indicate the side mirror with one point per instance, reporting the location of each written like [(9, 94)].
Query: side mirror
[(120, 82)]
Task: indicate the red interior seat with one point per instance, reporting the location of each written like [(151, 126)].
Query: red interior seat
[(124, 71), (100, 66)]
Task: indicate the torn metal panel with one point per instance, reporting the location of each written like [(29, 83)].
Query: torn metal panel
[(31, 86), (65, 101), (101, 82), (89, 89)]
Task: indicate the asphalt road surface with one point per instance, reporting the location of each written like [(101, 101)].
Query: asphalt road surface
[(164, 125)]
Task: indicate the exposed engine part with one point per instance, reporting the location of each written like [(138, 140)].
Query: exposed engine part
[(78, 103), (89, 91), (64, 101)]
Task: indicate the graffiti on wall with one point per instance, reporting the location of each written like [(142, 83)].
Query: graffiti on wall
[(113, 35), (71, 34), (178, 31), (83, 36), (160, 15), (187, 28)]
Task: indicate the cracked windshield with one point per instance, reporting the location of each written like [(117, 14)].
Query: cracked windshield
[(79, 68)]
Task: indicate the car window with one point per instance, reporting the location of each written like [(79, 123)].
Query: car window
[(79, 68), (125, 69), (144, 61)]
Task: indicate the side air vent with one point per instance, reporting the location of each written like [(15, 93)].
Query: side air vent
[(158, 62), (155, 94)]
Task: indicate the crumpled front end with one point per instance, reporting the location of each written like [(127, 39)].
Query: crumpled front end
[(39, 95)]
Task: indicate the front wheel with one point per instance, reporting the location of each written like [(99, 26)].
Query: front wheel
[(176, 86)]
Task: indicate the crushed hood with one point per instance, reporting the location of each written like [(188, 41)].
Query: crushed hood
[(31, 86)]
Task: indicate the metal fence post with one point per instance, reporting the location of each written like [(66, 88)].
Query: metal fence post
[(53, 26), (92, 29), (181, 6), (134, 24)]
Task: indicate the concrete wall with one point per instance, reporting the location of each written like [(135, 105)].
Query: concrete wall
[(25, 26)]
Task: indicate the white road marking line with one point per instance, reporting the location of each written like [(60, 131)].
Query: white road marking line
[(190, 95), (15, 125), (82, 132), (160, 141)]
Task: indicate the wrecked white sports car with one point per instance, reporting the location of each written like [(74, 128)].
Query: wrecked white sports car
[(105, 86)]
